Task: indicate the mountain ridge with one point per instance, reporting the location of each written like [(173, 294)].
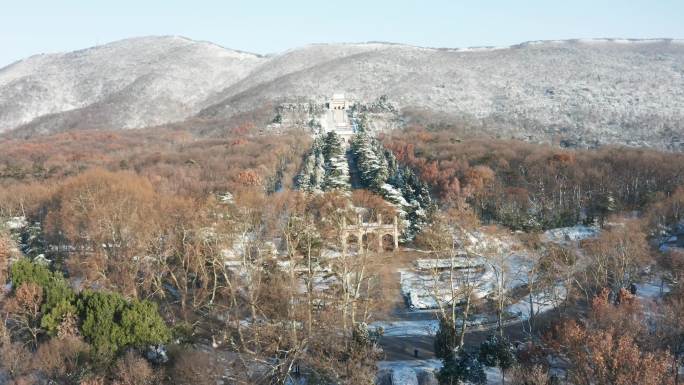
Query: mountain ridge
[(589, 88)]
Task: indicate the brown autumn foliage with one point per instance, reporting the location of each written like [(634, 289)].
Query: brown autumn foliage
[(108, 218), (617, 256), (505, 180), (374, 203), (195, 367), (174, 161), (669, 332), (15, 359), (22, 198), (60, 357), (132, 369), (606, 348), (666, 211), (130, 212), (68, 328), (249, 178), (22, 312), (108, 199), (123, 188), (138, 212), (529, 375)]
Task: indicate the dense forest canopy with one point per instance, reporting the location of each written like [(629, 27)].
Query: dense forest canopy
[(532, 186), (167, 256)]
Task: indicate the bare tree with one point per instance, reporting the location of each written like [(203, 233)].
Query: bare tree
[(23, 312)]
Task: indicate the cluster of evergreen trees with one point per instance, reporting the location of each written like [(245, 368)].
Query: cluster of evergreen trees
[(325, 167), (379, 172), (107, 320), (461, 366)]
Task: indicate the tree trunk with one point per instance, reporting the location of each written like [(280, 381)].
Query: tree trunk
[(309, 288), (530, 321), (676, 369), (466, 311)]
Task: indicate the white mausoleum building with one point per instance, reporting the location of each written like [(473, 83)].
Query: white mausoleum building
[(337, 117)]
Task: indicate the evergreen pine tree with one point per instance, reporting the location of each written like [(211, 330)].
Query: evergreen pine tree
[(304, 179), (446, 338), (461, 368), (496, 351), (336, 167), (33, 241)]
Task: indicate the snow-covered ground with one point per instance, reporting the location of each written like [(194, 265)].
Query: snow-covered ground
[(446, 263), (407, 328), (570, 234), (16, 223), (423, 289), (419, 328), (430, 280), (673, 238), (542, 302), (651, 290), (322, 281), (412, 370), (517, 268), (404, 375)]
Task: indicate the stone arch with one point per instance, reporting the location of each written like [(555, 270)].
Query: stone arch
[(352, 242), (370, 240), (388, 242)]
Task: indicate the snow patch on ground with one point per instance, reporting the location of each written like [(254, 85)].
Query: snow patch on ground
[(517, 266), (422, 289), (16, 223), (570, 234), (409, 370), (405, 376), (543, 302), (446, 263), (407, 328), (420, 328), (649, 291), (429, 282)]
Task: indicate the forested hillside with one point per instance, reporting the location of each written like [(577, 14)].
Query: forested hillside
[(537, 187), (174, 212), (166, 257)]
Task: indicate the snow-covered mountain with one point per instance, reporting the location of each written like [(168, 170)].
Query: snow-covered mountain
[(604, 90), (130, 83)]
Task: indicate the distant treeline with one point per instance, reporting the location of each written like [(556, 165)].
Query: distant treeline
[(534, 186)]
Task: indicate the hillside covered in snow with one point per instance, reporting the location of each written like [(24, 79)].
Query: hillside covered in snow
[(578, 92), (126, 84)]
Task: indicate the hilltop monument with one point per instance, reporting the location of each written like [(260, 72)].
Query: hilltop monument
[(337, 117)]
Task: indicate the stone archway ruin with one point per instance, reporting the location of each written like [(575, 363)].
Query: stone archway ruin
[(375, 231), (353, 242), (387, 242)]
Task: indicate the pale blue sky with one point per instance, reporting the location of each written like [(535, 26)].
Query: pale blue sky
[(29, 27)]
